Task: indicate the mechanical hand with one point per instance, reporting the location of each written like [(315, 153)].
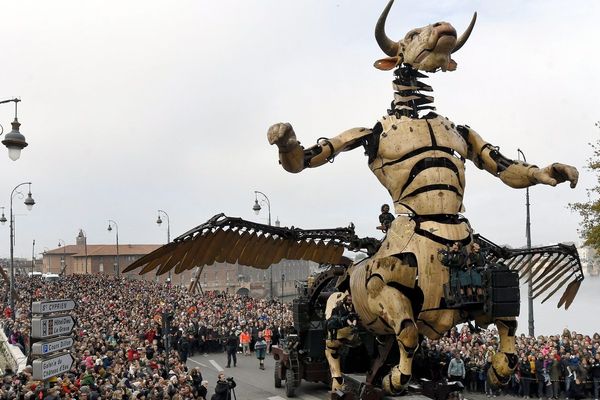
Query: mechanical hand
[(283, 135), (291, 154), (555, 174)]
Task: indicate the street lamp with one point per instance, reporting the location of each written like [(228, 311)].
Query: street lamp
[(256, 208), (159, 222), (110, 224), (14, 140), (528, 235), (63, 260), (29, 202), (32, 257)]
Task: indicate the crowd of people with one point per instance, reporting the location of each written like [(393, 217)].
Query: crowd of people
[(120, 345), (550, 367)]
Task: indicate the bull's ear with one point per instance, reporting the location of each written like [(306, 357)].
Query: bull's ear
[(385, 64), (452, 65)]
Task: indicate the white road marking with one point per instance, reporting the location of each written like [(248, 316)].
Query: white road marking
[(216, 365), (275, 398), (309, 397), (199, 363)]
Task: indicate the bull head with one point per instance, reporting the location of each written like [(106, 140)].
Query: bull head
[(427, 49)]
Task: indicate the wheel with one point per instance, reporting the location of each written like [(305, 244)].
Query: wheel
[(290, 389), (277, 374)]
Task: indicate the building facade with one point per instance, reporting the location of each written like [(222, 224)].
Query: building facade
[(279, 280)]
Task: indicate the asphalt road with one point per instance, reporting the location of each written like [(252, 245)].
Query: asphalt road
[(256, 384), (252, 382)]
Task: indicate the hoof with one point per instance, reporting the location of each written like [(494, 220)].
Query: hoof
[(337, 383), (501, 370), (395, 382)]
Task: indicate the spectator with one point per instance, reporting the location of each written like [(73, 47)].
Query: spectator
[(223, 388), (260, 348), (231, 346), (245, 341), (456, 368)]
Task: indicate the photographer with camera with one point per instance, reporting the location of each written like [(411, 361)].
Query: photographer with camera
[(224, 388)]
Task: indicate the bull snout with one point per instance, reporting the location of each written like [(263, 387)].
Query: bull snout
[(443, 37)]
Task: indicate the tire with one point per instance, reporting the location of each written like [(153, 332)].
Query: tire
[(277, 374), (290, 388)]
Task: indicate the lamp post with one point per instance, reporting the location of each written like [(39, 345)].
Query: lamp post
[(256, 208), (110, 224), (29, 202), (14, 140), (528, 235), (159, 222), (63, 261), (32, 257), (282, 280)]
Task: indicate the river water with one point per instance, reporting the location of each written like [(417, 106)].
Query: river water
[(582, 316)]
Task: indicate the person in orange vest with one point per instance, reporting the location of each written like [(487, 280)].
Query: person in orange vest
[(245, 341), (268, 334)]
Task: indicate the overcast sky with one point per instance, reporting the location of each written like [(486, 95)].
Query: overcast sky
[(132, 106)]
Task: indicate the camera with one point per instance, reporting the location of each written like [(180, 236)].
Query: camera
[(230, 379)]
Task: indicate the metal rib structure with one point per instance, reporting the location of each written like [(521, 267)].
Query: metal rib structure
[(550, 268), (409, 98), (234, 240)]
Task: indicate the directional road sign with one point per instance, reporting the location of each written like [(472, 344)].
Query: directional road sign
[(51, 346), (50, 306), (45, 327), (47, 368)]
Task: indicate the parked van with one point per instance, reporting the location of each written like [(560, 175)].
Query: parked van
[(50, 277)]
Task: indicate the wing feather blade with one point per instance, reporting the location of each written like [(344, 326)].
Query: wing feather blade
[(212, 249), (158, 253)]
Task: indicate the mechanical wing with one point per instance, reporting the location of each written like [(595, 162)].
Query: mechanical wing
[(549, 268), (234, 240)]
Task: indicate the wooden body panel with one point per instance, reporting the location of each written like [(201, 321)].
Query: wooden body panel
[(421, 240), (421, 163)]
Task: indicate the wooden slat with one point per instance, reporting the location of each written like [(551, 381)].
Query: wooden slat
[(550, 267), (554, 276), (199, 250), (228, 241), (561, 284), (234, 253), (160, 252), (265, 258), (212, 249), (251, 251)]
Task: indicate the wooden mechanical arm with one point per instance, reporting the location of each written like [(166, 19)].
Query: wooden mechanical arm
[(516, 174), (294, 158)]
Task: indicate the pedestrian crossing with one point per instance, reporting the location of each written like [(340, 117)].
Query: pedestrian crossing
[(216, 365)]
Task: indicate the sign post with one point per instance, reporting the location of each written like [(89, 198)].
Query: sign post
[(45, 327), (52, 332), (45, 368), (51, 346), (52, 306)]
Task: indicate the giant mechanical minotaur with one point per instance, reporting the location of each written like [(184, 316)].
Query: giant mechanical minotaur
[(419, 157), (402, 289)]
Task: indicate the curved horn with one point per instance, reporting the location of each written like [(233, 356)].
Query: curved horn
[(388, 46), (465, 36)]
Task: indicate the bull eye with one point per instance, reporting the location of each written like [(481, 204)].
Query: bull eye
[(411, 35)]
